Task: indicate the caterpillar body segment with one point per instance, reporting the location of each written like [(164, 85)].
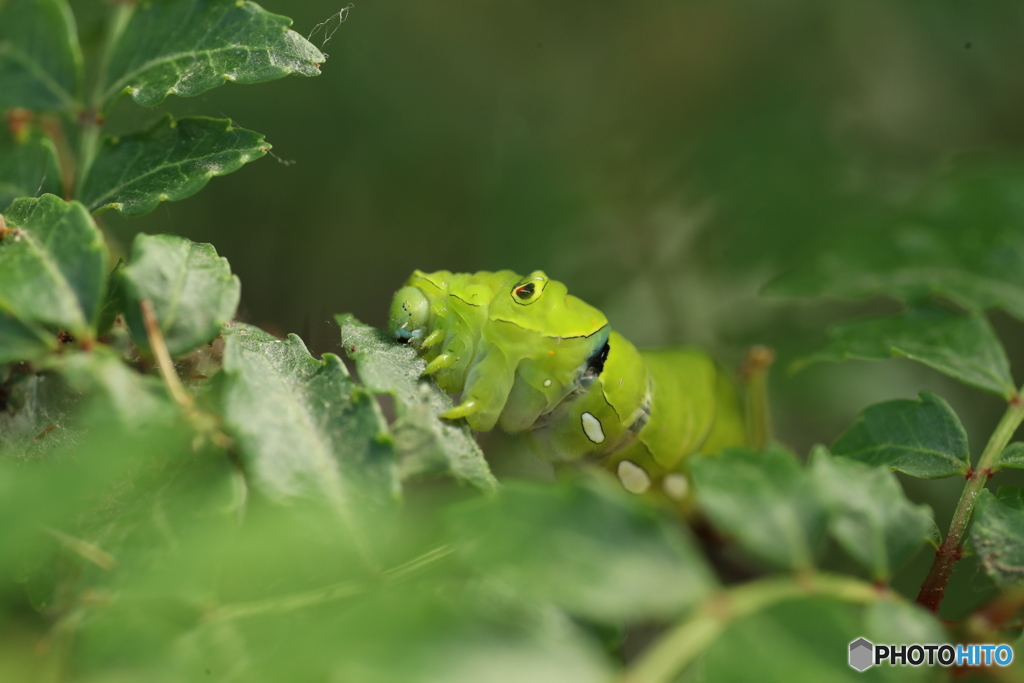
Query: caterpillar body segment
[(527, 355)]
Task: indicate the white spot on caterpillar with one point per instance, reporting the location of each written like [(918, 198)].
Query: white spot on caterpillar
[(592, 428), (633, 477), (547, 383), (676, 486)]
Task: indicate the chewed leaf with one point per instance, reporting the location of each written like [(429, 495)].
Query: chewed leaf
[(921, 438), (52, 266), (171, 160), (964, 347), (28, 166), (40, 61), (186, 47), (426, 443), (191, 288)]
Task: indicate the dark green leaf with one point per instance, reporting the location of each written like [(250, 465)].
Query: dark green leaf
[(40, 62), (305, 429), (997, 535), (426, 443), (191, 288), (1012, 456), (21, 341), (186, 47), (115, 302), (52, 265), (869, 515), (28, 166), (807, 641), (591, 549), (765, 500), (171, 160), (921, 438), (964, 347)]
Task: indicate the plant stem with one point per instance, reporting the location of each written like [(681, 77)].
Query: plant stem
[(678, 648), (934, 587), (163, 357)]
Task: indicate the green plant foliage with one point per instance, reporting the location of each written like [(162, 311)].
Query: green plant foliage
[(213, 42), (869, 515), (997, 536), (171, 160), (582, 547), (40, 62), (765, 500), (28, 166), (964, 347), (426, 444), (921, 438), (304, 428), (52, 267), (1012, 456), (191, 288)]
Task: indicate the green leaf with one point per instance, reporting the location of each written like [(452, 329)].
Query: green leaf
[(765, 500), (191, 288), (807, 641), (1012, 456), (869, 515), (115, 302), (591, 549), (920, 438), (40, 61), (305, 429), (997, 535), (426, 444), (186, 47), (965, 347), (171, 160), (52, 266), (28, 166)]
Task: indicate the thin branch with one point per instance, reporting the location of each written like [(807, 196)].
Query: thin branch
[(163, 357), (946, 556)]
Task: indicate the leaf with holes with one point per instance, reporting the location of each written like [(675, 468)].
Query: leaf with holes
[(869, 515), (920, 438), (997, 535), (186, 47), (765, 500), (583, 547), (965, 347), (305, 429), (426, 443), (52, 268), (191, 288), (40, 61), (171, 160), (28, 166)]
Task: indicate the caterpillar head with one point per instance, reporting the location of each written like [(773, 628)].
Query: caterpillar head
[(410, 311)]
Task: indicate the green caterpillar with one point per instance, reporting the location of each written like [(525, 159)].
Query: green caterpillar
[(526, 355)]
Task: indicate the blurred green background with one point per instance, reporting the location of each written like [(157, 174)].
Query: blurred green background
[(665, 159)]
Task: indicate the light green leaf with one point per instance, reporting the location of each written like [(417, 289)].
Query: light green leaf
[(186, 47), (921, 438), (40, 61), (1012, 456), (869, 515), (965, 347), (191, 288), (171, 160), (997, 535), (591, 549), (28, 166), (426, 444), (52, 266), (305, 429), (765, 500)]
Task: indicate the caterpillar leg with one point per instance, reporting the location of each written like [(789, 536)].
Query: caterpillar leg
[(487, 389)]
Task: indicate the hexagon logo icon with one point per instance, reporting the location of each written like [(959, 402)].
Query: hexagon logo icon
[(861, 654)]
